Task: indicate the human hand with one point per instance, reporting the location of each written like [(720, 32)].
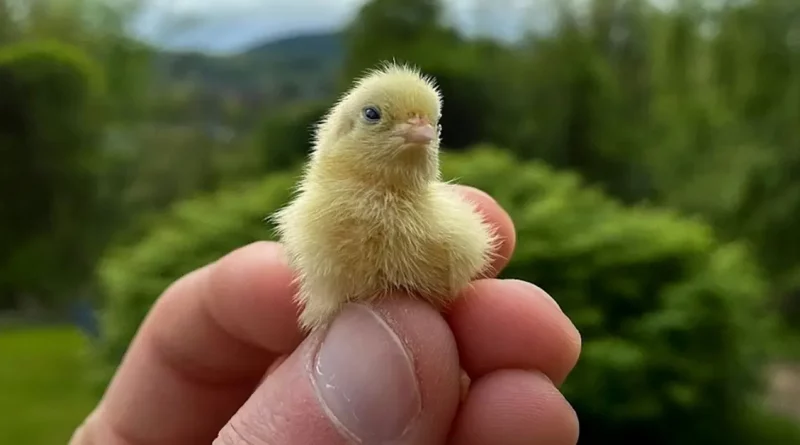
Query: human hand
[(220, 360)]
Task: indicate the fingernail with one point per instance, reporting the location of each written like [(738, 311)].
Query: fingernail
[(532, 287), (365, 378)]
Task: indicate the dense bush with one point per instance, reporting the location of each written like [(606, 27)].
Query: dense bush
[(194, 233), (49, 150), (284, 137), (671, 320)]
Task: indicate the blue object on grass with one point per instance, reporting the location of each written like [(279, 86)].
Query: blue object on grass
[(84, 317)]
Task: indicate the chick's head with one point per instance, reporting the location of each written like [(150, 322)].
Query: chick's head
[(387, 126)]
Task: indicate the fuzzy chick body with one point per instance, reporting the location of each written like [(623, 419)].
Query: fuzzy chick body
[(371, 214)]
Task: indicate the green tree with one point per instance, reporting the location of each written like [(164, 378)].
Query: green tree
[(574, 109), (693, 107), (97, 27), (724, 109), (284, 138), (402, 30), (49, 145), (758, 68), (467, 100), (99, 31)]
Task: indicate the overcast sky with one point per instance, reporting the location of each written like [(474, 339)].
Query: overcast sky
[(226, 25)]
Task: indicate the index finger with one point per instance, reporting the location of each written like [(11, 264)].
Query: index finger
[(499, 219), (208, 341)]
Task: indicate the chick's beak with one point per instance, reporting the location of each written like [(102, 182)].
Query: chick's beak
[(419, 131)]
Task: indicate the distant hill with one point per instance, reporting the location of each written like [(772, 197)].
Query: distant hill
[(266, 75), (327, 45)]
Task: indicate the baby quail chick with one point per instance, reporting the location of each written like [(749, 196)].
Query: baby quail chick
[(371, 214)]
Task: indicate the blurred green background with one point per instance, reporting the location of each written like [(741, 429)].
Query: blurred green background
[(649, 153)]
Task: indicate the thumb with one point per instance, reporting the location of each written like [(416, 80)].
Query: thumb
[(385, 374)]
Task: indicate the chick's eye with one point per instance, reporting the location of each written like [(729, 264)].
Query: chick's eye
[(371, 114)]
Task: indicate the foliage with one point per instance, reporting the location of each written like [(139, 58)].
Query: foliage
[(693, 107), (48, 141), (97, 27), (285, 137), (672, 322), (68, 71), (194, 233), (765, 428), (407, 31)]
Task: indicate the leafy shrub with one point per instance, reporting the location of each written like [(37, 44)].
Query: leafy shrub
[(48, 146), (671, 320), (283, 139), (194, 233)]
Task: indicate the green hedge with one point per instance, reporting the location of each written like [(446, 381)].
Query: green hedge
[(194, 233), (672, 321), (50, 96)]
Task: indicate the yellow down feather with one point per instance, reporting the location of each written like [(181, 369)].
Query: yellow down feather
[(371, 214)]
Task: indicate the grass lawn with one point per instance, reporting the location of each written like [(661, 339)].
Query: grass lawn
[(44, 391)]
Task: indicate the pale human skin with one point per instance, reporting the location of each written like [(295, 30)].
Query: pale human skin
[(220, 360)]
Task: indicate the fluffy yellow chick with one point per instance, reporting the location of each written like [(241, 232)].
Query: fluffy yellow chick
[(371, 214)]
